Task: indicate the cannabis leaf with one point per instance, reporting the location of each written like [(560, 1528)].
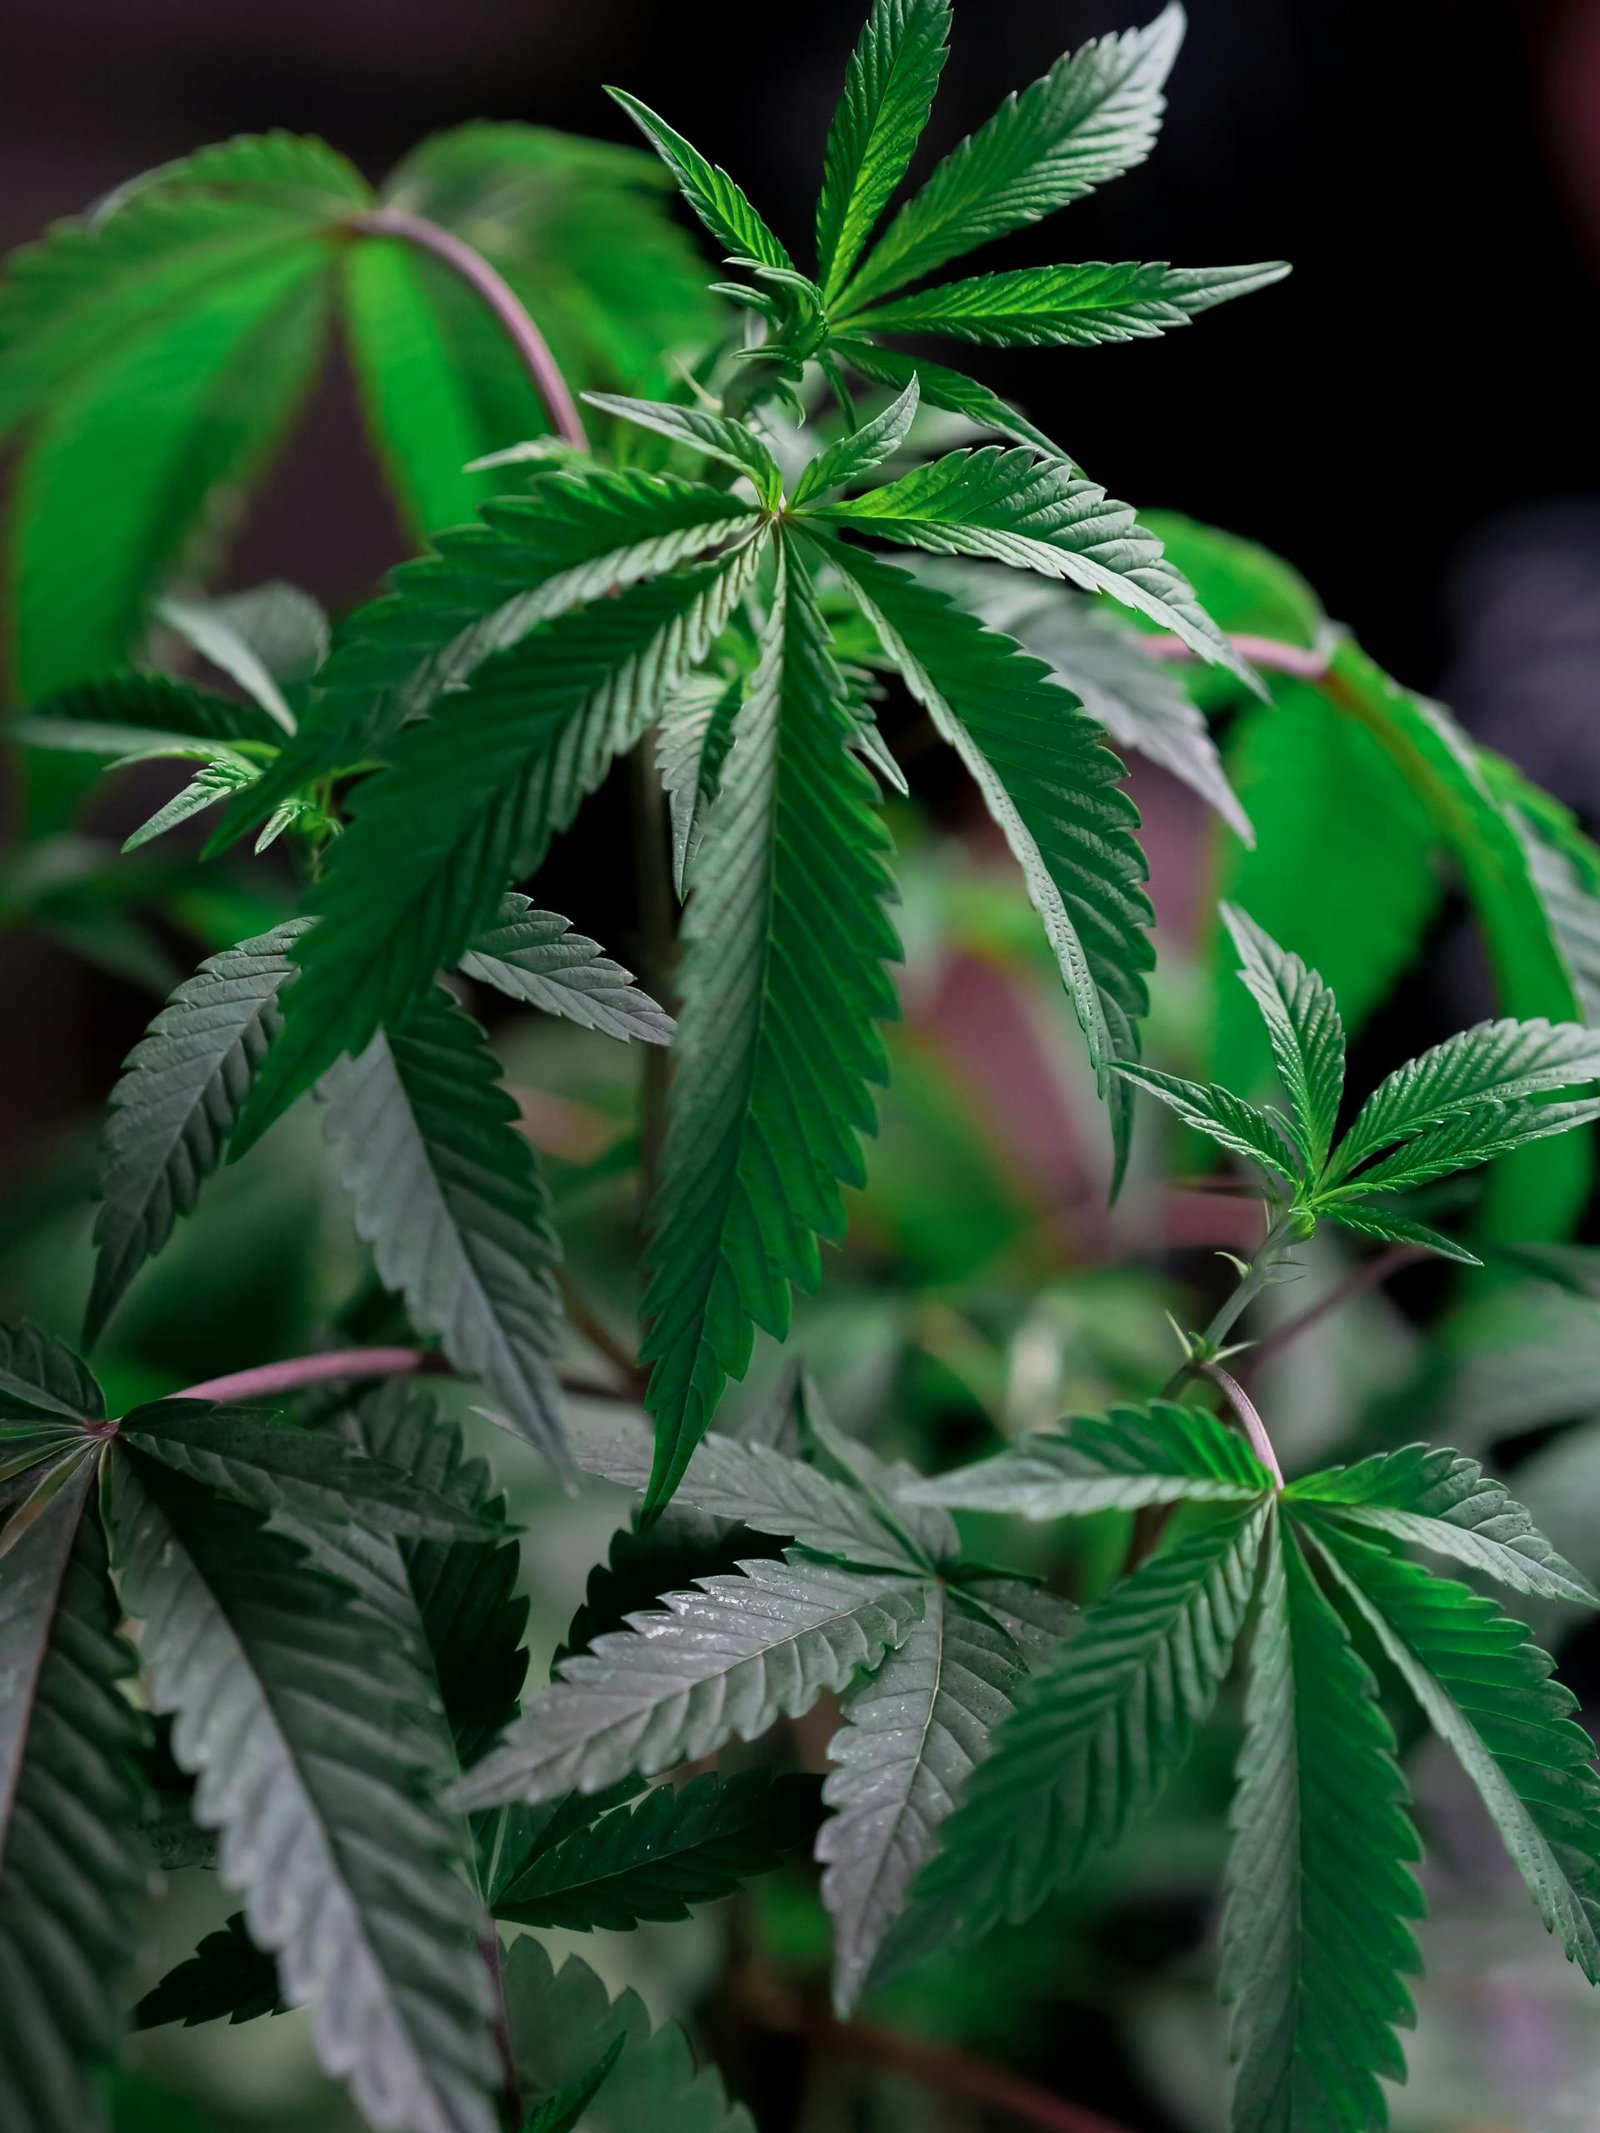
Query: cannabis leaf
[(1316, 1937), (226, 1978), (1050, 782), (72, 1873), (482, 589), (1119, 1461), (656, 1860), (1486, 1689), (449, 1195), (888, 94), (783, 978), (272, 1466), (471, 795), (1437, 1499), (1099, 1728), (564, 2025), (720, 204), (1139, 700), (1067, 307), (722, 1662), (290, 1708), (534, 956), (913, 1731), (1093, 116), (183, 1087), (1303, 1028), (1037, 514), (767, 1489)]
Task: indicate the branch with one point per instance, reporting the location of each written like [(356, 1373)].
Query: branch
[(497, 293), (1254, 1428), (1304, 662), (937, 2067), (269, 1379)]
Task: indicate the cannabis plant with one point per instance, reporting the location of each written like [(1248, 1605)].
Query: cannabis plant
[(270, 1624)]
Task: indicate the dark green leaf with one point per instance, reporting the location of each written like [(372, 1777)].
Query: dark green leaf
[(449, 1195), (1098, 1730), (183, 1087), (563, 2024), (1316, 1941), (1437, 1499), (270, 1465), (1068, 307), (473, 794), (72, 1873), (783, 978), (1487, 1691), (1303, 1028), (888, 93), (655, 1861), (1050, 783), (1093, 116), (226, 1977)]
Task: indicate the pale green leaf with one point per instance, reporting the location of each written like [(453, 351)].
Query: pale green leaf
[(534, 956), (731, 443), (182, 1089), (912, 1735), (1121, 1461), (722, 1663), (290, 1706), (1438, 1499)]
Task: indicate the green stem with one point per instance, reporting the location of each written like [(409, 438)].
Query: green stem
[(1233, 1307)]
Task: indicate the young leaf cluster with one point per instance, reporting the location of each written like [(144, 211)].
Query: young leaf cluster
[(1479, 1094)]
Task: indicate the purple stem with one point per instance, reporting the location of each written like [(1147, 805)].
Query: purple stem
[(1254, 1428), (501, 299), (269, 1378), (1305, 663)]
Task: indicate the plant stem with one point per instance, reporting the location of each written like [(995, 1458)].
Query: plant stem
[(510, 2083), (1243, 1406), (1304, 662), (269, 1379), (937, 2067), (500, 298), (1233, 1306)]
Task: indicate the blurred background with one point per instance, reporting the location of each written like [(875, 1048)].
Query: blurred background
[(1410, 420)]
